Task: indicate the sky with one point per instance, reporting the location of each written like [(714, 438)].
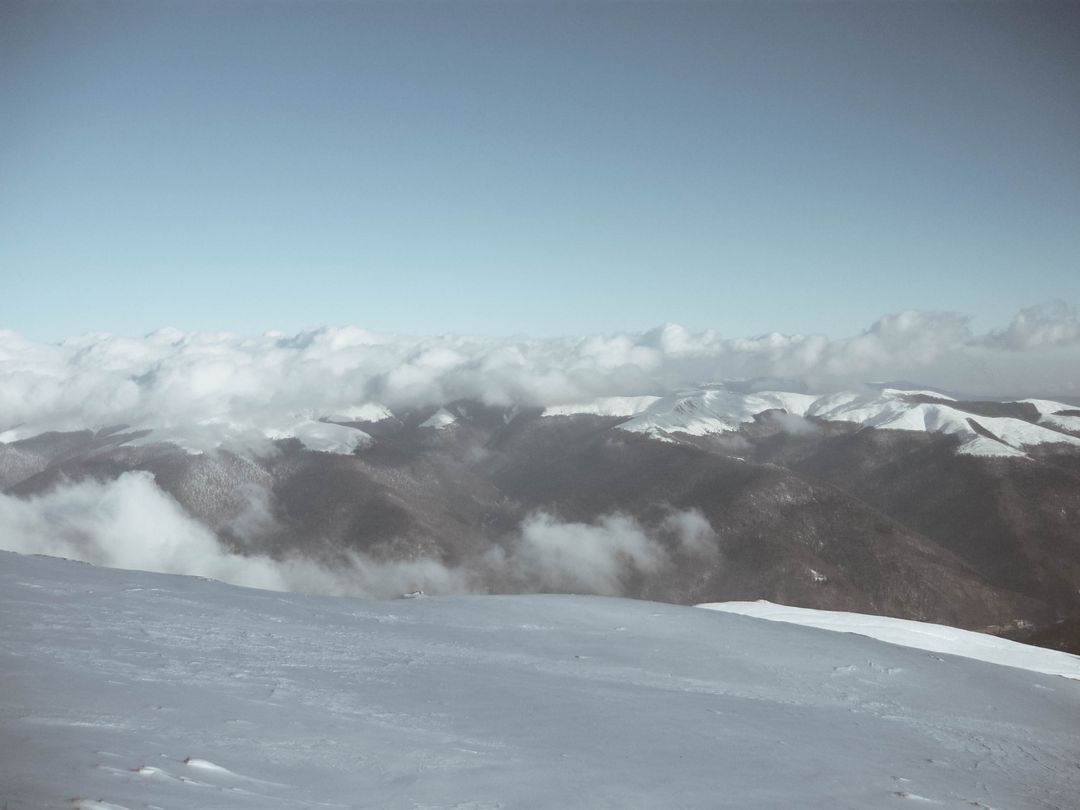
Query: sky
[(534, 168)]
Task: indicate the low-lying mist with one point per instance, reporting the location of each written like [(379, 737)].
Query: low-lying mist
[(130, 522)]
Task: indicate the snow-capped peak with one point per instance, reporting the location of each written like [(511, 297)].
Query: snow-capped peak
[(719, 409), (712, 410)]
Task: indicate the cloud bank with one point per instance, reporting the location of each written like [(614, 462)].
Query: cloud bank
[(219, 382), (130, 522), (126, 523), (596, 558)]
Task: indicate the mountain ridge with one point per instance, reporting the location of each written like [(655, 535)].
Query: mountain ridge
[(801, 508)]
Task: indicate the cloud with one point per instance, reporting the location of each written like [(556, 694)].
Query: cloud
[(603, 557), (130, 522), (209, 387), (1052, 324), (903, 341), (126, 523), (581, 557), (692, 533)]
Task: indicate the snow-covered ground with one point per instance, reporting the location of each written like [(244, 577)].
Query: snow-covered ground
[(920, 635), (137, 690)]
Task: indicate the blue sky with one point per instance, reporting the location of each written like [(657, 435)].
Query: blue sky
[(536, 168)]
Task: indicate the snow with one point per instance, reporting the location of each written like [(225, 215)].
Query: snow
[(701, 411), (439, 420), (1062, 422), (894, 413), (920, 635), (982, 446), (1019, 433), (604, 406), (1049, 406), (368, 412), (203, 436), (932, 418), (129, 690), (791, 402), (916, 392), (210, 434), (713, 410), (323, 437), (1049, 414), (887, 413)]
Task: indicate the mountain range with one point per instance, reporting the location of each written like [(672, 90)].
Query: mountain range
[(900, 501)]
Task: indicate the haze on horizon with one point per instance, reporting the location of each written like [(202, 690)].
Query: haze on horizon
[(535, 168)]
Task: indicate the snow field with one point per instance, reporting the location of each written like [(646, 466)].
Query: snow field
[(133, 690)]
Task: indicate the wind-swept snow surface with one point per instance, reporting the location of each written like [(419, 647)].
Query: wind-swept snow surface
[(130, 690)]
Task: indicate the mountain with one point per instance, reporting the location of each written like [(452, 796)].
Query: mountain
[(984, 428), (905, 503), (127, 689)]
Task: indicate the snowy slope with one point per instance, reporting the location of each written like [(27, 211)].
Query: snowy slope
[(439, 420), (604, 406), (920, 635), (132, 690), (210, 434), (324, 437), (368, 412), (892, 410), (700, 413), (1057, 415), (715, 410)]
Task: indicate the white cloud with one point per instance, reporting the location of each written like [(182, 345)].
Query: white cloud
[(1052, 324), (218, 384), (581, 557), (692, 532), (126, 523), (131, 523), (602, 557)]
